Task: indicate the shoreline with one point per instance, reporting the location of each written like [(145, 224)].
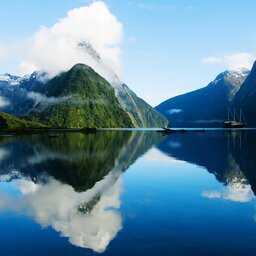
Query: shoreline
[(30, 131)]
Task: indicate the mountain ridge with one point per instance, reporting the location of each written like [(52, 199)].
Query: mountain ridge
[(207, 106), (30, 91)]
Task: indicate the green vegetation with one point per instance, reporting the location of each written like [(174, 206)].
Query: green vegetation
[(84, 99), (11, 122), (75, 158)]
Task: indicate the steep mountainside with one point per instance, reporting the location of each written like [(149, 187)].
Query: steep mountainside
[(246, 98), (79, 98), (141, 113), (206, 107)]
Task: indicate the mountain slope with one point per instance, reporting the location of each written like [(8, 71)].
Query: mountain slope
[(14, 98), (12, 122), (206, 107), (36, 94), (246, 98), (79, 98), (141, 113)]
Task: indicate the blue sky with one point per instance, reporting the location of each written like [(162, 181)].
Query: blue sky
[(168, 47)]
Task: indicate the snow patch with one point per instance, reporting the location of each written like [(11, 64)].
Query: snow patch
[(10, 79)]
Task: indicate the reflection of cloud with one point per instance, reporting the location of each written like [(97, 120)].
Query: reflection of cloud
[(154, 155), (57, 205), (174, 144), (240, 194), (42, 155), (3, 154), (25, 186), (9, 176), (211, 194)]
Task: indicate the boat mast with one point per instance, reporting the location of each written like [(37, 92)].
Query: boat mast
[(242, 113)]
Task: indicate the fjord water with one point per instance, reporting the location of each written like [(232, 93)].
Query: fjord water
[(128, 193)]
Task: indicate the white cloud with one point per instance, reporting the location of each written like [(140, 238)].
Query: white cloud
[(56, 48), (131, 40), (212, 60), (174, 111), (42, 99), (142, 5), (145, 6), (232, 61), (3, 102)]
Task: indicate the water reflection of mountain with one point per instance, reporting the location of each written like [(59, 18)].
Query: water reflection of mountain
[(230, 156), (71, 183), (74, 158)]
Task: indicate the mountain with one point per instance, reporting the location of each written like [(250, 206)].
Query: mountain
[(14, 98), (206, 107), (79, 98), (246, 98), (8, 121)]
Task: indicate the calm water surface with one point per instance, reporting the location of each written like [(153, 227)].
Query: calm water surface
[(128, 193)]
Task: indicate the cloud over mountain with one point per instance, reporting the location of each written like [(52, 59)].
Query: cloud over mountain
[(58, 48), (232, 61)]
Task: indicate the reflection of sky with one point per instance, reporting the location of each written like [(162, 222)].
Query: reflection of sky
[(167, 205), (164, 198)]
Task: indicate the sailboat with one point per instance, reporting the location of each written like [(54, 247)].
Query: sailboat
[(235, 122)]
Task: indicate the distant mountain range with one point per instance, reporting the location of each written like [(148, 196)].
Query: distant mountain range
[(207, 107), (79, 97)]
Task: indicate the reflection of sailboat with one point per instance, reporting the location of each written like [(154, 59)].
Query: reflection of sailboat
[(235, 122)]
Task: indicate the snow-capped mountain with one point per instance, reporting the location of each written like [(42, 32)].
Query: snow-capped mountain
[(14, 92), (10, 79), (206, 107)]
